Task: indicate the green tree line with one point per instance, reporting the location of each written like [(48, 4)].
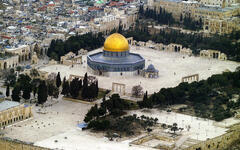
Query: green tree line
[(210, 98), (88, 41), (227, 44)]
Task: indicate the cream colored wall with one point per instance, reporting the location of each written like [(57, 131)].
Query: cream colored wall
[(8, 144), (220, 142), (15, 114), (10, 62)]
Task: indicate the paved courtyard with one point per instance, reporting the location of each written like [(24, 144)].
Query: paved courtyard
[(58, 118), (172, 67), (56, 125)]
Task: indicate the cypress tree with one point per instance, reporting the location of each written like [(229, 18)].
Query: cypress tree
[(42, 92), (65, 87), (74, 88), (7, 91), (96, 89), (85, 90), (16, 93), (50, 89), (58, 80), (34, 91), (80, 84), (27, 89)]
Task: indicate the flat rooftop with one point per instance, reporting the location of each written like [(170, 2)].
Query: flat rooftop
[(4, 105)]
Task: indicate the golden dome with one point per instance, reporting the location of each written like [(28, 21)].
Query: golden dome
[(116, 43)]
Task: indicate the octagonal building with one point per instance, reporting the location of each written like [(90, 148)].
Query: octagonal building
[(115, 59)]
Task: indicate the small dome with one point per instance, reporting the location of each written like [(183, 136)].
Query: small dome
[(116, 43), (151, 68)]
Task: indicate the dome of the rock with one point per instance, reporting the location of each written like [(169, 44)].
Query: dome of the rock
[(116, 43)]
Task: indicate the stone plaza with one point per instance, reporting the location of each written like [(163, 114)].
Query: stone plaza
[(172, 67)]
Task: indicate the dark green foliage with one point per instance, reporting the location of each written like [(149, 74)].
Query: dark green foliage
[(216, 91), (89, 91), (74, 88), (58, 80), (92, 113), (162, 17), (115, 106), (197, 41), (42, 92), (65, 87), (16, 93), (27, 89), (25, 85), (189, 23), (87, 41), (53, 90), (10, 77), (127, 125), (81, 89), (85, 91), (145, 102), (100, 125), (174, 127), (7, 90), (23, 80), (35, 83)]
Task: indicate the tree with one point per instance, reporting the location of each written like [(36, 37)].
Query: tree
[(52, 90), (92, 114), (58, 80), (174, 127), (16, 93), (42, 92), (137, 91), (65, 87), (34, 73), (19, 68), (181, 18), (85, 91), (10, 77), (96, 89), (35, 83), (27, 89), (7, 91), (74, 88)]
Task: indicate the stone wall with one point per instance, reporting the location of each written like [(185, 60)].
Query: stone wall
[(220, 142), (10, 144)]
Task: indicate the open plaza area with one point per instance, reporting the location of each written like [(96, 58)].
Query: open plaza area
[(172, 67), (56, 127)]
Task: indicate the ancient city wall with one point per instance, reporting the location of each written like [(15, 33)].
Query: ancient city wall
[(220, 142), (9, 144)]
